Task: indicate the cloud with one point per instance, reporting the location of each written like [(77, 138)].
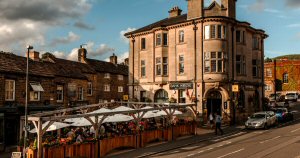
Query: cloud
[(292, 3), (122, 37), (28, 22), (72, 37), (293, 25), (82, 25), (122, 57), (92, 51), (58, 54), (258, 6), (269, 10)]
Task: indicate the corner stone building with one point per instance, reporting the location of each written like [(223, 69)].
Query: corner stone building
[(53, 84), (197, 57)]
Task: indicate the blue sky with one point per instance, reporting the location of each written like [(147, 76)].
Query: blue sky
[(61, 26)]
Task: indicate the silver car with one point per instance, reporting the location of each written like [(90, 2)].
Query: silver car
[(263, 120)]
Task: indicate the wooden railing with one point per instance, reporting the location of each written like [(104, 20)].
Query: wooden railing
[(105, 146)]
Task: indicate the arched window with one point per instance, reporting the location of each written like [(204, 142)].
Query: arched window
[(161, 96), (285, 78)]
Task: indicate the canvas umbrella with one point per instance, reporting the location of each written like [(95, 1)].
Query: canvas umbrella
[(81, 118), (122, 108), (163, 113), (118, 118), (53, 127)]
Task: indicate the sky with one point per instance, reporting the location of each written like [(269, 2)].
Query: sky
[(61, 26)]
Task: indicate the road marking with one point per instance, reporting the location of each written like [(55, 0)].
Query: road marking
[(237, 134), (231, 153), (269, 140), (295, 130)]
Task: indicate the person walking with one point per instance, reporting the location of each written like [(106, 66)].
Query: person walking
[(218, 124), (211, 120)]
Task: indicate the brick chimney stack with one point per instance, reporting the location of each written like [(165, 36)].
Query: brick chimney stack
[(82, 54), (113, 59), (33, 55), (175, 11)]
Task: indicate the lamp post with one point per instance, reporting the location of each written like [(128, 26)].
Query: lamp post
[(26, 99)]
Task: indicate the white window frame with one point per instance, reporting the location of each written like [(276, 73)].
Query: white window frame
[(120, 77), (143, 43), (165, 67), (268, 88), (90, 89), (106, 88), (158, 68), (80, 94), (269, 72), (181, 36), (285, 77), (106, 75), (120, 89), (35, 95), (208, 62), (59, 91), (165, 39), (9, 89), (158, 39)]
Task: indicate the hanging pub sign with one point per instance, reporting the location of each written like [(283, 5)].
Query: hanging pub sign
[(175, 86), (235, 88)]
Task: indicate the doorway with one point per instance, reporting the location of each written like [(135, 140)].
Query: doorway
[(214, 103)]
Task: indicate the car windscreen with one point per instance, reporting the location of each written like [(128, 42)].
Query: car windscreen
[(258, 116), (290, 94)]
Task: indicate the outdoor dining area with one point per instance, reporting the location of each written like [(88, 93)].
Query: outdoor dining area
[(94, 131)]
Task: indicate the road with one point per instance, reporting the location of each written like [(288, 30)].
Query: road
[(282, 141)]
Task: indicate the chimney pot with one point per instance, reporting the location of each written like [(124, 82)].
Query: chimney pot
[(113, 59), (175, 11), (33, 55)]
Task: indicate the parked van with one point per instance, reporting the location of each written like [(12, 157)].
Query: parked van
[(291, 96)]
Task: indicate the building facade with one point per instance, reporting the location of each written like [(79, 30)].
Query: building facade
[(198, 57), (54, 83), (286, 79)]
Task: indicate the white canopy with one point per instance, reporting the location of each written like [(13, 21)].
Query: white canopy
[(93, 118), (163, 113), (149, 114), (118, 118), (53, 127), (122, 108)]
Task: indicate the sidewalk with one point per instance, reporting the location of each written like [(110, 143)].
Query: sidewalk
[(203, 135)]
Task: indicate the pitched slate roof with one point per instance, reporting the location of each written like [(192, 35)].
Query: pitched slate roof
[(11, 63), (102, 66), (162, 23)]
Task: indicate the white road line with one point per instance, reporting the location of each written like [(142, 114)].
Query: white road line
[(231, 153), (237, 134), (269, 140), (295, 130)]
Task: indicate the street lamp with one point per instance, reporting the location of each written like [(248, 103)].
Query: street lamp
[(26, 99)]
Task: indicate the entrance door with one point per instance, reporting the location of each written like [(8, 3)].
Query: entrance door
[(214, 103)]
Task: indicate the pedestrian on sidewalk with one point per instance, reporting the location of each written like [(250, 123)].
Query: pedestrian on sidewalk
[(211, 120), (218, 124)]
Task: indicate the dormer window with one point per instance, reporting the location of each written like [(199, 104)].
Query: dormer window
[(106, 75)]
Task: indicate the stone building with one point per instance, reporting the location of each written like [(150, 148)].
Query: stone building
[(287, 76), (198, 57), (55, 83)]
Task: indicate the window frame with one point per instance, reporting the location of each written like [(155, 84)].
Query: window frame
[(89, 88), (35, 95), (106, 75), (165, 66), (269, 72), (106, 87), (181, 64), (13, 90), (143, 68), (181, 36), (143, 43), (80, 93), (158, 70), (120, 89), (165, 39), (158, 39), (59, 93), (120, 77), (285, 77), (218, 58)]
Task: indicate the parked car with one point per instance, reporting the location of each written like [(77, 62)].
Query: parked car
[(291, 96), (279, 97), (283, 114), (262, 119)]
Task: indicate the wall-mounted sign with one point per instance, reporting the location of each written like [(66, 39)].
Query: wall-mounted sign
[(235, 88), (175, 86), (125, 97)]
